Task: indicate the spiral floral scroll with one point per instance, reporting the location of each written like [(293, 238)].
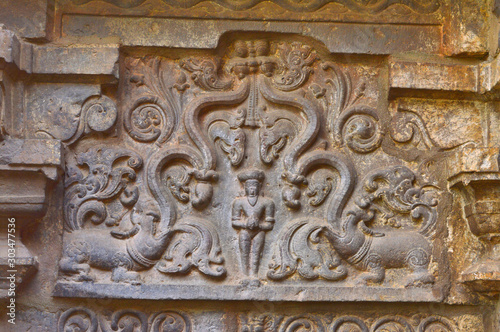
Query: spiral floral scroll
[(304, 323), (295, 66), (170, 321), (434, 323), (85, 320), (359, 128), (204, 73), (98, 114), (349, 323), (392, 324), (129, 320), (78, 319), (408, 128), (149, 120)]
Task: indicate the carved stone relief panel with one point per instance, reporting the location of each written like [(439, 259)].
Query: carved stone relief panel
[(265, 170), (249, 165), (174, 318), (87, 320)]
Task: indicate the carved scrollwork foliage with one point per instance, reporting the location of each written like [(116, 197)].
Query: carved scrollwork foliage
[(349, 323), (78, 319), (358, 126), (295, 66), (205, 73), (391, 323), (128, 320), (408, 127), (435, 323), (305, 323), (106, 180), (170, 321), (98, 114), (83, 319), (360, 129), (197, 245), (153, 115), (147, 121), (394, 323)]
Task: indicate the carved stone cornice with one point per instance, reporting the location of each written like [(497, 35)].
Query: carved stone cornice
[(475, 175), (27, 168)]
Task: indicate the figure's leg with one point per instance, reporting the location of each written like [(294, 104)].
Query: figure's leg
[(418, 260), (245, 242), (375, 270), (257, 247), (122, 269), (121, 274), (75, 261), (79, 271)]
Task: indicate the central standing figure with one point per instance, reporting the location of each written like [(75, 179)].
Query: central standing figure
[(252, 216)]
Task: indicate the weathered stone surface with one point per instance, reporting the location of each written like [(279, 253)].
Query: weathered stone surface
[(28, 18), (249, 165), (167, 32)]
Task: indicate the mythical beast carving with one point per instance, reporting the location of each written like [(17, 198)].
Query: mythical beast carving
[(122, 253), (390, 194)]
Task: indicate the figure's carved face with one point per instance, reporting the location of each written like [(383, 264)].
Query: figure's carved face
[(252, 188)]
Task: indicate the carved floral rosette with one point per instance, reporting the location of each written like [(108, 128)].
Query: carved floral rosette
[(338, 199)]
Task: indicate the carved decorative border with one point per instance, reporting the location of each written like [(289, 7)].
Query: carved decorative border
[(420, 6), (84, 319)]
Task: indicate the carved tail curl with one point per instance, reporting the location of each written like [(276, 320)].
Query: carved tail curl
[(299, 249), (155, 165), (198, 246), (302, 235), (346, 171)]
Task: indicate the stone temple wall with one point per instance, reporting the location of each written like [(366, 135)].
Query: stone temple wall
[(249, 165)]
